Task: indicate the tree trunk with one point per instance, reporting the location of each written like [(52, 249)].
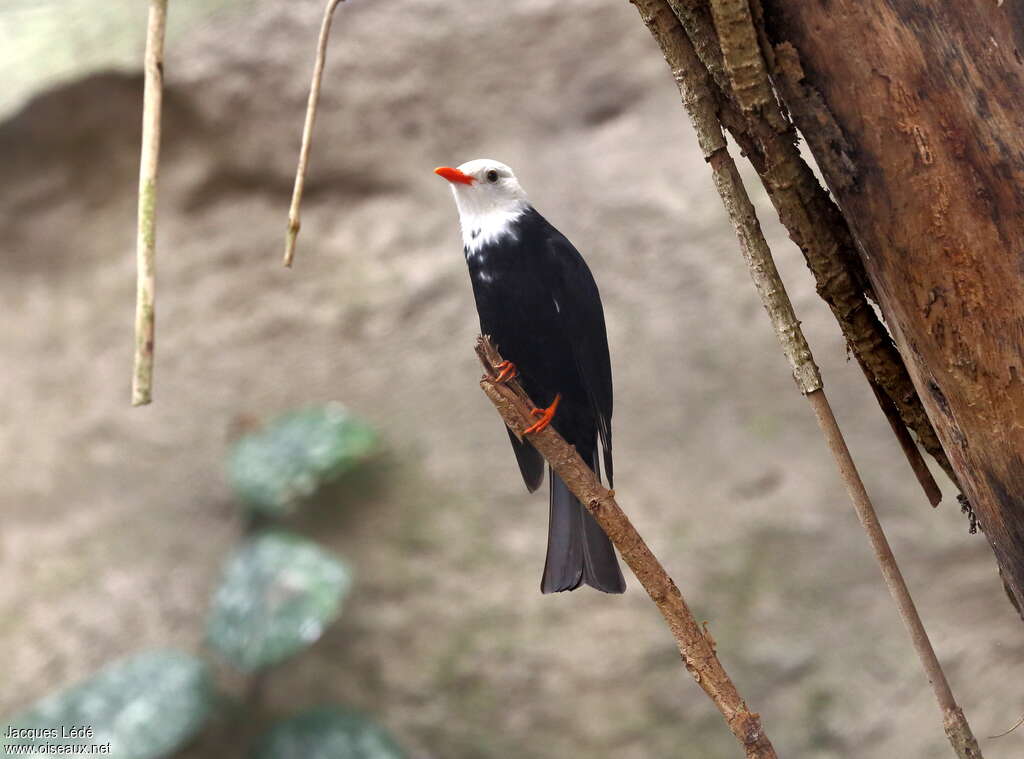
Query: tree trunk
[(915, 114)]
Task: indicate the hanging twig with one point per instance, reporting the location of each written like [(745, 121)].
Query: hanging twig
[(953, 720), (145, 245), (910, 449), (695, 87), (695, 644), (1016, 724), (307, 132)]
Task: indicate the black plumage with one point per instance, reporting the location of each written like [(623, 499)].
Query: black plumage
[(538, 301)]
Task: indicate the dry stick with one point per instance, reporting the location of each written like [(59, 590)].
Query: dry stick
[(307, 132), (695, 89), (910, 449), (145, 245), (953, 720), (695, 643), (1016, 724)]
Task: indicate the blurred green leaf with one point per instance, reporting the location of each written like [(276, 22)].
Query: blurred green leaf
[(327, 732), (296, 454), (278, 594), (145, 706)]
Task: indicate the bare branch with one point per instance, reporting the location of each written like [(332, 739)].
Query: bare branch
[(953, 720), (910, 449), (695, 644), (307, 132), (1016, 724), (695, 88), (741, 55), (145, 246)]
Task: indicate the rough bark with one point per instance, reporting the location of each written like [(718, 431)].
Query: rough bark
[(915, 113)]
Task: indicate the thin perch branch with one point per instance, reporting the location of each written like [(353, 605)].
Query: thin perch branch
[(307, 132), (145, 245), (695, 644), (695, 88)]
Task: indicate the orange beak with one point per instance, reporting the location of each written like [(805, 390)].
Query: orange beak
[(453, 175)]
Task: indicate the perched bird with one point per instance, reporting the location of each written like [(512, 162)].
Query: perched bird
[(539, 303)]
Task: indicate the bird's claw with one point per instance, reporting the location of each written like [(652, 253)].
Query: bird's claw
[(506, 371), (545, 414)]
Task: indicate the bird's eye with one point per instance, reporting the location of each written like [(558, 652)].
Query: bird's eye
[(492, 176)]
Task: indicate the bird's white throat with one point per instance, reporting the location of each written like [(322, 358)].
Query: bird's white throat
[(485, 227)]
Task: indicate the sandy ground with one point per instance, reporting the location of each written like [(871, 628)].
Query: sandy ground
[(116, 520)]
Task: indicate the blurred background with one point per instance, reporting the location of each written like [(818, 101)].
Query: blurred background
[(126, 531)]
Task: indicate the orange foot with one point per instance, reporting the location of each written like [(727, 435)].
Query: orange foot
[(507, 370), (545, 414)]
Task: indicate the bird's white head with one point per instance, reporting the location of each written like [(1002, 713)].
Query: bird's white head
[(489, 199)]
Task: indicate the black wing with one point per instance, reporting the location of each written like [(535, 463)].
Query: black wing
[(531, 463), (579, 305)]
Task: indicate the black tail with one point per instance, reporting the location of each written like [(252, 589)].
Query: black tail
[(578, 550)]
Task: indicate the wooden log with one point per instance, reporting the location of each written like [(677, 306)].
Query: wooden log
[(915, 114)]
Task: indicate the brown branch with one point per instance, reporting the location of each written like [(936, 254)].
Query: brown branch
[(695, 644), (953, 720), (741, 56), (910, 449), (145, 245), (695, 16), (695, 86), (307, 133), (812, 220)]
